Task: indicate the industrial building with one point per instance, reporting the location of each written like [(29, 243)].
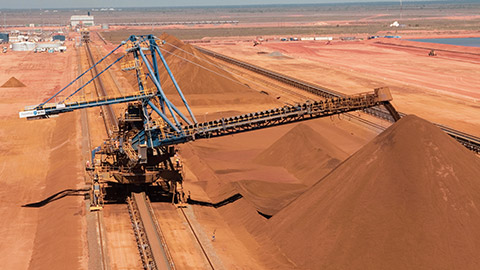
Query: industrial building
[(4, 37), (23, 46), (17, 38), (58, 37), (84, 20)]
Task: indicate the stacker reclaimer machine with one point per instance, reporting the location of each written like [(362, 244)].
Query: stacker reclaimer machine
[(139, 152)]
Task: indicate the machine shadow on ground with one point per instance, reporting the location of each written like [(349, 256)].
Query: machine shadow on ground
[(57, 196), (228, 200)]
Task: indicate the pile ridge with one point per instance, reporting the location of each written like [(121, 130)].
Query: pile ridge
[(409, 199)]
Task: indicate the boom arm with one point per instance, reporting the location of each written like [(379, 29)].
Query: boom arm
[(50, 109), (263, 119)]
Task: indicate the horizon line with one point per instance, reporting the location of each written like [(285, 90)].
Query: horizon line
[(235, 5)]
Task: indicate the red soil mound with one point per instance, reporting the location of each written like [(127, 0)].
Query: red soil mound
[(407, 200), (304, 153), (13, 82)]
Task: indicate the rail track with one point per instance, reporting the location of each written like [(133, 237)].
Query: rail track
[(101, 38), (151, 243), (110, 120), (197, 239), (469, 141), (104, 265)]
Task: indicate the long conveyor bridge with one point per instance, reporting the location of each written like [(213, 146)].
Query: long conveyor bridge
[(469, 141), (264, 119)]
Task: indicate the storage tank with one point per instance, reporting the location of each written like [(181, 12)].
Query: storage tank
[(23, 46)]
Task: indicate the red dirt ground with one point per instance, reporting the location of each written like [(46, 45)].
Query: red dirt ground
[(419, 183), (39, 159)]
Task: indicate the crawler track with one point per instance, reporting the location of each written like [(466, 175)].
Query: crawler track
[(151, 243), (469, 141)]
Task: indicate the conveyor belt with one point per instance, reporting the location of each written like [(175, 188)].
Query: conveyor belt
[(261, 119), (469, 141)]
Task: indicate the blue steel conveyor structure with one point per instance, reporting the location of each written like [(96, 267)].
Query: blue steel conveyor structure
[(140, 152)]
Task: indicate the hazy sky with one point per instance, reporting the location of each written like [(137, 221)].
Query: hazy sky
[(8, 4)]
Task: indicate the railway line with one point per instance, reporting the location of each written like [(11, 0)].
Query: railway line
[(100, 247), (110, 120), (197, 239), (469, 141), (151, 243)]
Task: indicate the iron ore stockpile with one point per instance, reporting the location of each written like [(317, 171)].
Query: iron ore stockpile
[(321, 194), (406, 200), (13, 82)]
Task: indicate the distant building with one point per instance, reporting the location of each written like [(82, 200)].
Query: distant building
[(23, 46), (84, 20), (58, 37), (4, 37), (395, 24), (17, 38)]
